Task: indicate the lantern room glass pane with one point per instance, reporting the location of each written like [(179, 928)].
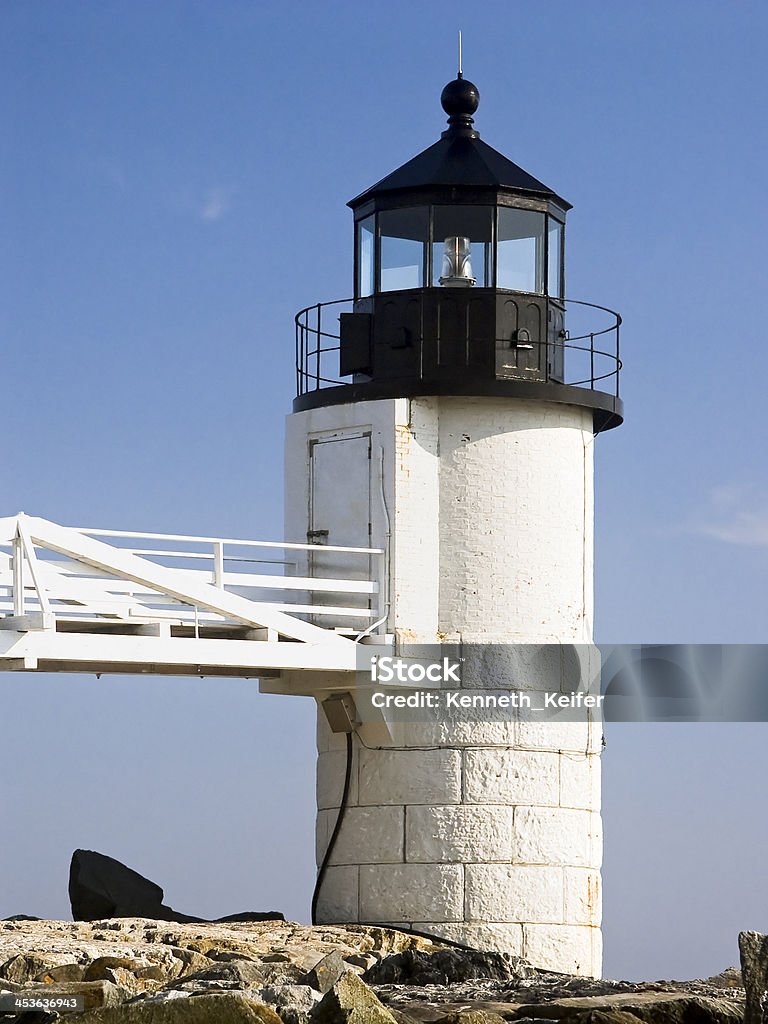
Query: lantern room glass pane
[(520, 250), (461, 246), (366, 236), (403, 241), (554, 258)]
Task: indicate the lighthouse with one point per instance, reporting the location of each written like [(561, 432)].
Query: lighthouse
[(444, 422)]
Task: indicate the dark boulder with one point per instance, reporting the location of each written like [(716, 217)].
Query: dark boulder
[(101, 887)]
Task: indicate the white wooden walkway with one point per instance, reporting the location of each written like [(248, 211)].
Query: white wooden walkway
[(168, 604)]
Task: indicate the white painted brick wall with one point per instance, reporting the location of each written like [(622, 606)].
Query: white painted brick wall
[(493, 839), (566, 948), (515, 520), (416, 519), (583, 896), (410, 776), (556, 835), (575, 737), (382, 827), (514, 892), (580, 782), (338, 899), (402, 892), (511, 777), (505, 937), (459, 833), (331, 767)]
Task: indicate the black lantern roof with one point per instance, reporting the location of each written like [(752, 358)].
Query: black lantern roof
[(459, 290), (460, 159)]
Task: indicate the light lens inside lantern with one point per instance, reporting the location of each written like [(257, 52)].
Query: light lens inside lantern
[(462, 246), (457, 267)]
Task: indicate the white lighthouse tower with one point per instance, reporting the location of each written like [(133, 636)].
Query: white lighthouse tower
[(455, 433)]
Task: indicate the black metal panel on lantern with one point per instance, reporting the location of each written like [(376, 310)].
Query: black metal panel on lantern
[(459, 285), (437, 335)]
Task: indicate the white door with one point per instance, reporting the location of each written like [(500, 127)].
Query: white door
[(340, 514)]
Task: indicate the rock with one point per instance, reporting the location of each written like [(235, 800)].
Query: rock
[(443, 967), (249, 915), (94, 993), (224, 956), (165, 995), (276, 974), (234, 974), (402, 1018), (24, 967), (650, 1007), (95, 970), (34, 1017), (475, 1017), (293, 1003), (385, 941), (64, 972), (326, 972), (364, 960), (603, 1017), (729, 978), (102, 887), (753, 948), (350, 1001), (187, 961), (220, 1008), (155, 972)]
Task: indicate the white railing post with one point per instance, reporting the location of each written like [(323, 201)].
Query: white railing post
[(383, 581), (18, 575), (218, 564)]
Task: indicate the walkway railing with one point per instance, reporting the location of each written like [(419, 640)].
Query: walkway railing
[(587, 355), (51, 575)]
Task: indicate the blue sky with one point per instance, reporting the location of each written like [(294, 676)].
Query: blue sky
[(172, 190)]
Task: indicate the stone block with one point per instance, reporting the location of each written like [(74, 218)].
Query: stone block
[(567, 948), (326, 738), (583, 896), (575, 737), (331, 767), (580, 782), (462, 833), (410, 777), (511, 777), (513, 893), (506, 938), (369, 835), (456, 732), (408, 892), (557, 835), (338, 900)]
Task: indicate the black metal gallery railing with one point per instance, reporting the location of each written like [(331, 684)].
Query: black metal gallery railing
[(586, 352)]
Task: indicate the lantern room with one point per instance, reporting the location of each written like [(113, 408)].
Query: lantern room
[(459, 287)]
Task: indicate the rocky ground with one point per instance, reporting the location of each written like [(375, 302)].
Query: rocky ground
[(136, 971)]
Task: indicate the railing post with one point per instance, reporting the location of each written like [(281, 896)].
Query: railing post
[(297, 334), (383, 592), (592, 361), (218, 564), (618, 357), (319, 345), (18, 575)]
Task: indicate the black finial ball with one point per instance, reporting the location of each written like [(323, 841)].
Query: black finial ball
[(460, 97)]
